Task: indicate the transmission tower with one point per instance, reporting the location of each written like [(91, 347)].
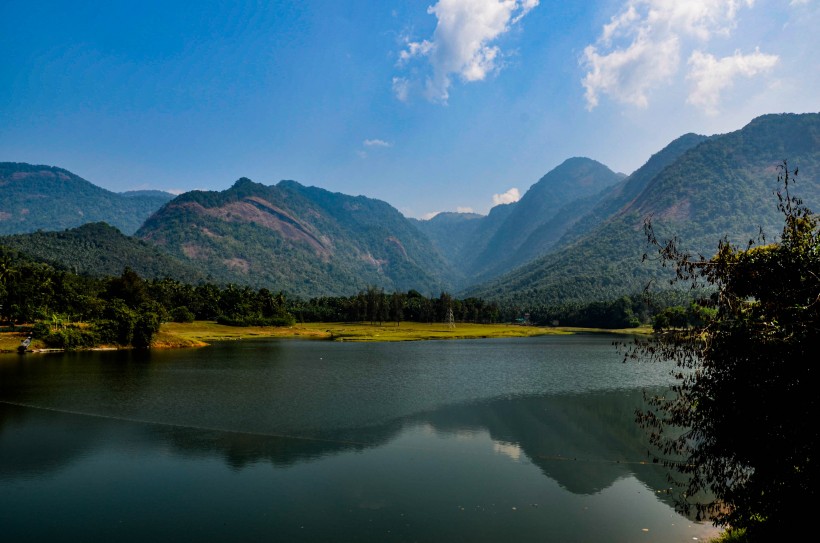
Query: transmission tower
[(450, 321)]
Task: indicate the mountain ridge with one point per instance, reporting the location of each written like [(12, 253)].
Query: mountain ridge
[(721, 188), (37, 197), (553, 245), (307, 240)]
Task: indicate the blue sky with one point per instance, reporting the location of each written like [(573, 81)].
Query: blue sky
[(429, 105)]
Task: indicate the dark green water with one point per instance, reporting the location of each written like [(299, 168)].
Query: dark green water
[(280, 440)]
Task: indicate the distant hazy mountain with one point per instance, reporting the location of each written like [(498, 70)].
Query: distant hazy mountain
[(722, 186), (450, 231), (47, 198), (98, 249), (303, 240), (513, 234)]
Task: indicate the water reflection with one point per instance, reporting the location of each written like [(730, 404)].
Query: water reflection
[(584, 442), (369, 435)]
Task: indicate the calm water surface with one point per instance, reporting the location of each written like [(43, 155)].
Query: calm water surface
[(525, 439)]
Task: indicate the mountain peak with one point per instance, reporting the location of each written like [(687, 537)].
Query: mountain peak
[(36, 197), (243, 182)]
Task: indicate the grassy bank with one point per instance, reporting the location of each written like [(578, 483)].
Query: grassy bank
[(406, 331), (200, 333), (9, 341)]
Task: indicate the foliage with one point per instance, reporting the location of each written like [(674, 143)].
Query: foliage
[(285, 320), (100, 250), (34, 197), (117, 325), (739, 424), (682, 317), (182, 314), (620, 313), (71, 338), (146, 323)]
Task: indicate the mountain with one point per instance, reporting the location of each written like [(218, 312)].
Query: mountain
[(450, 231), (575, 236), (630, 187), (47, 198), (722, 186), (305, 241), (98, 249), (515, 233)]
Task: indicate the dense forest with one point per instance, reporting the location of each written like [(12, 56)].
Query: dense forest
[(69, 310), (35, 197)]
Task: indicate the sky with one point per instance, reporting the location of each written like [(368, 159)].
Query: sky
[(431, 106)]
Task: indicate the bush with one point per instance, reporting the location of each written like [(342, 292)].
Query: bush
[(182, 314), (71, 338), (147, 324)]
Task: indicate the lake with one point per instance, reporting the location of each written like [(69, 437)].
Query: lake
[(515, 439)]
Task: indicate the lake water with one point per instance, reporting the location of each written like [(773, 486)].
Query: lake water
[(521, 439)]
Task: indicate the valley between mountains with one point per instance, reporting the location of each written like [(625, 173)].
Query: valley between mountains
[(576, 236)]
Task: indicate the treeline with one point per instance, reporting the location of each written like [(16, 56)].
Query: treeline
[(668, 309), (72, 311), (377, 306)]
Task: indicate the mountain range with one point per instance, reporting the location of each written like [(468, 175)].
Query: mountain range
[(700, 190), (576, 235), (47, 198), (305, 240)]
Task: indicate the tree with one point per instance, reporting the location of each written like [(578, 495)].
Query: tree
[(128, 287), (397, 301), (146, 324), (739, 426)]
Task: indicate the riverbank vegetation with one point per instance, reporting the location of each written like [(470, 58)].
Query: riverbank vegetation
[(738, 427), (64, 310), (340, 331)]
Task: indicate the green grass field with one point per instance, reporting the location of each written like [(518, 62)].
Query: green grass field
[(202, 331), (199, 333)]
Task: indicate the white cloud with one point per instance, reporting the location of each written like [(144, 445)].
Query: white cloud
[(376, 143), (460, 209), (401, 88), (640, 49), (628, 74), (508, 197), (462, 43), (428, 216), (710, 76)]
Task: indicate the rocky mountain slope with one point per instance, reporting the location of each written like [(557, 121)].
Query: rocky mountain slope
[(304, 240)]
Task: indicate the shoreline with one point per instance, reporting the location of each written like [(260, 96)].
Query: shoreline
[(174, 335)]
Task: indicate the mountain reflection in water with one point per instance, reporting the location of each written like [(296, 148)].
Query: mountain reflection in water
[(485, 449)]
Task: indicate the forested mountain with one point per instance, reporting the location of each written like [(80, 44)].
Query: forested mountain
[(576, 235), (450, 231), (100, 250), (47, 198), (514, 233), (723, 186), (630, 187), (305, 241)]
